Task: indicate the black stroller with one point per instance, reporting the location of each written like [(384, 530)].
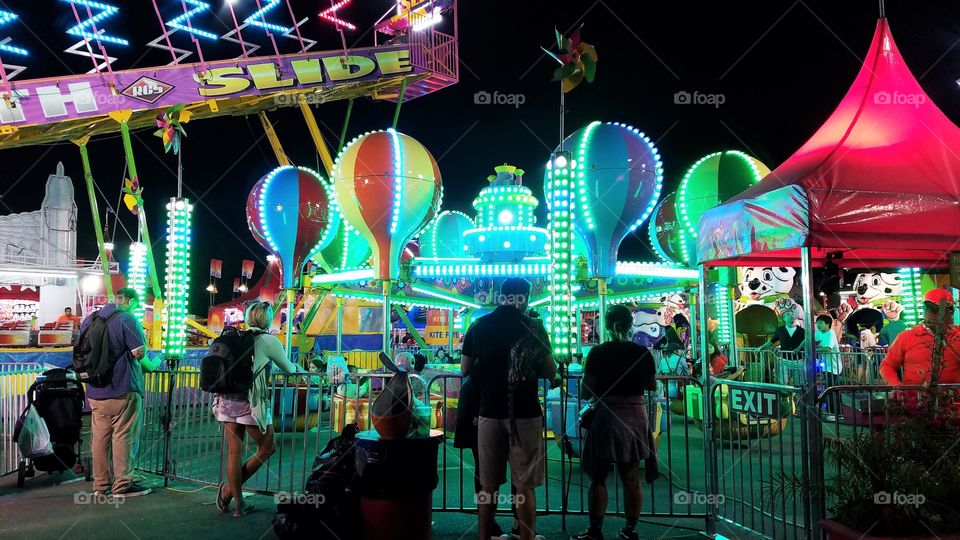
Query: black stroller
[(58, 398)]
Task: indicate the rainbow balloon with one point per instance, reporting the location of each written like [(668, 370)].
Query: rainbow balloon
[(713, 179), (388, 186), (618, 178), (291, 213)]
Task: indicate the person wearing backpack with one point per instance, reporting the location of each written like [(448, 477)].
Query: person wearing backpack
[(506, 353), (251, 412), (615, 376), (114, 389)]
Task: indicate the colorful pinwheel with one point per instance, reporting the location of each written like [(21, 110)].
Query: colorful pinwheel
[(131, 195), (170, 125), (577, 59)]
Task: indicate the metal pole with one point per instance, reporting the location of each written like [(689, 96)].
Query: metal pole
[(707, 402), (734, 353), (291, 296), (132, 168), (386, 317), (813, 464), (601, 310), (450, 332), (396, 112), (339, 325), (695, 309), (346, 123), (580, 333), (97, 228)]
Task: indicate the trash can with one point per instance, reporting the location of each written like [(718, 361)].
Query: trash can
[(395, 482)]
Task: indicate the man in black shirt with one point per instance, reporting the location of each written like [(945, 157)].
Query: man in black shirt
[(510, 426), (790, 338)]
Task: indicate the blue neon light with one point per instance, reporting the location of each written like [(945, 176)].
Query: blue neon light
[(182, 22), (5, 18), (257, 18), (82, 30)]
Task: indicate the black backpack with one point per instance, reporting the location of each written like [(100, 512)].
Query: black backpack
[(228, 366), (91, 355), (527, 356)]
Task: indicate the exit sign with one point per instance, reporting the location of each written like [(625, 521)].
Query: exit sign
[(755, 402)]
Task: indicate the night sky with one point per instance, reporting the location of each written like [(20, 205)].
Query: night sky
[(781, 67)]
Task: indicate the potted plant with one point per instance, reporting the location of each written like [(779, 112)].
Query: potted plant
[(899, 482)]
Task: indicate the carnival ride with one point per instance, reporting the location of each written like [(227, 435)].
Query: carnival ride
[(411, 57)]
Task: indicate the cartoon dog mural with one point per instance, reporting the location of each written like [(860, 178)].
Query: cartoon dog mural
[(672, 305), (876, 286), (760, 282)]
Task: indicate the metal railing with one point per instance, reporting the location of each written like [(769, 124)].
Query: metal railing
[(15, 380), (756, 436), (721, 450)]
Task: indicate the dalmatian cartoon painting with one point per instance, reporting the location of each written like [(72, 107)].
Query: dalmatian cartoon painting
[(671, 306), (761, 282), (873, 287)]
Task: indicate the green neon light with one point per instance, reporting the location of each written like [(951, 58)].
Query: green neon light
[(560, 200), (179, 213), (684, 186), (137, 275)]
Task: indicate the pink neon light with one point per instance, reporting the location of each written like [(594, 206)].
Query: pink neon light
[(329, 14)]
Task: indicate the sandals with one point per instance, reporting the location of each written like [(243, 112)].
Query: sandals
[(222, 505)]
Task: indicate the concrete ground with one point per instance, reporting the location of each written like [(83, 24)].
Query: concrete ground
[(56, 506)]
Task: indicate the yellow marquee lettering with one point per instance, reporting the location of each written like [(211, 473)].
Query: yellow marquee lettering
[(223, 81), (341, 68), (308, 71), (394, 62), (265, 77)]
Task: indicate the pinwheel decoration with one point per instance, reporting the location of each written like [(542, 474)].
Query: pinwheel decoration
[(577, 59), (170, 127), (131, 195)]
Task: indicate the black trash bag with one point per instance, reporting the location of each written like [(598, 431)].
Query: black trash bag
[(326, 506)]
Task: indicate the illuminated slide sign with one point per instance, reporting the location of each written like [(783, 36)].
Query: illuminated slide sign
[(47, 100)]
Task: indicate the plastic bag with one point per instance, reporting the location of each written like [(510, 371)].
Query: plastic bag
[(31, 435)]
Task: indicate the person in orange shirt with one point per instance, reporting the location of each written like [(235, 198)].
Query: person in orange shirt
[(908, 360), (68, 316)]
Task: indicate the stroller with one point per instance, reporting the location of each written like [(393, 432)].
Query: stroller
[(58, 398)]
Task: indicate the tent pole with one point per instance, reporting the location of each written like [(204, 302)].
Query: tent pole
[(706, 398), (811, 418)]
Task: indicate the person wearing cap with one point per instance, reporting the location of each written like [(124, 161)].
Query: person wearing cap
[(908, 360)]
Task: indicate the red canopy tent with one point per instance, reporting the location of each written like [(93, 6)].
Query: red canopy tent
[(879, 181)]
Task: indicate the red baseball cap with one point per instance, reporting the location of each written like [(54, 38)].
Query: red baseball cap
[(936, 295)]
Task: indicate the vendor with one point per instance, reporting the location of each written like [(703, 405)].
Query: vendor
[(68, 317)]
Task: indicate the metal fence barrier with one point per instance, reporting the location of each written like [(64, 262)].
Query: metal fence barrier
[(722, 467), (756, 435), (15, 380)]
